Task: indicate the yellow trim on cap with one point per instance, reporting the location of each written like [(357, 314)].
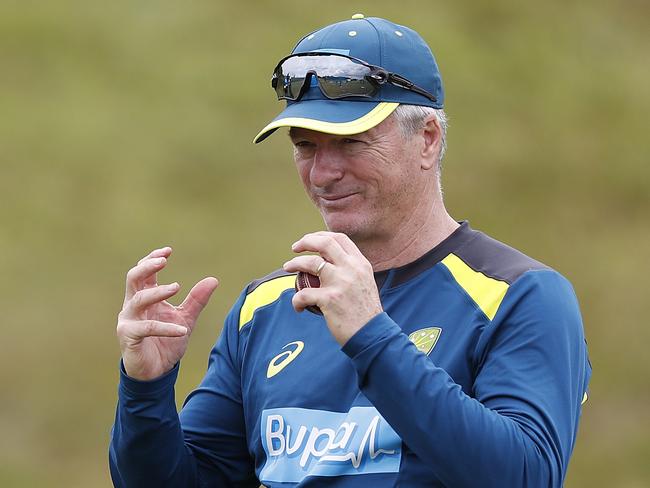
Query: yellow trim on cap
[(486, 292), (362, 124), (264, 294)]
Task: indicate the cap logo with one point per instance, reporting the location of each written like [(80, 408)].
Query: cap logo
[(352, 33)]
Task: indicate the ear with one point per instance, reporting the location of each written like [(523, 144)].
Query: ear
[(432, 136)]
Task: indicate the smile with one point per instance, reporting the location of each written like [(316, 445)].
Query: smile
[(336, 198)]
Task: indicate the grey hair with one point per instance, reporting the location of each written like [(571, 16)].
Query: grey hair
[(411, 119)]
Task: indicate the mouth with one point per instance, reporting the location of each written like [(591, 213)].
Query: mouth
[(336, 199)]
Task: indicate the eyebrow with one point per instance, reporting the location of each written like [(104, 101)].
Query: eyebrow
[(292, 132)]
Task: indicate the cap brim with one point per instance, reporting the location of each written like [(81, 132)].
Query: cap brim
[(339, 117)]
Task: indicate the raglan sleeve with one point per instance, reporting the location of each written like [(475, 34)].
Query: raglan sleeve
[(518, 425), (154, 446)]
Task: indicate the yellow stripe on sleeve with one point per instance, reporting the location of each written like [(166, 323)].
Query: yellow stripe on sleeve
[(264, 294), (486, 292)]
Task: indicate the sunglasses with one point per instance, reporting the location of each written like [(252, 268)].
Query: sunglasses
[(337, 76)]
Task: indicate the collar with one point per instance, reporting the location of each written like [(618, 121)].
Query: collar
[(391, 278)]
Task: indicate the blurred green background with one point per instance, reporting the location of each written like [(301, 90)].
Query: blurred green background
[(127, 125)]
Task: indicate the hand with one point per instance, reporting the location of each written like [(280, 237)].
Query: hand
[(348, 295), (153, 334)]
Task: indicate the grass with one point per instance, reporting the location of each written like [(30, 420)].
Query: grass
[(128, 125)]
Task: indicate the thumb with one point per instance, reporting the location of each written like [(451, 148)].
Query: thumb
[(198, 298)]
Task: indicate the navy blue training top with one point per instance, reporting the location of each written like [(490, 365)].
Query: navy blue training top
[(474, 375)]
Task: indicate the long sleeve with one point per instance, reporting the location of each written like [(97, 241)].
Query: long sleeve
[(517, 426), (151, 446), (147, 447)]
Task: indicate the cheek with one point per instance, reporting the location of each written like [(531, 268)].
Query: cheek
[(303, 168), (396, 181)]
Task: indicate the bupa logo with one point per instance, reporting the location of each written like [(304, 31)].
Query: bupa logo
[(300, 442)]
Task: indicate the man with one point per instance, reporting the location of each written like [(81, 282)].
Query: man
[(434, 356)]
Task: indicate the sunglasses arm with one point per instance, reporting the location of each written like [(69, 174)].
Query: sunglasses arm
[(402, 82)]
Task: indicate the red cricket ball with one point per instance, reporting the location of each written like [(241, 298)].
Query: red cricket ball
[(307, 280)]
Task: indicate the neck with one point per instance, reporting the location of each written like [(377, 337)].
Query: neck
[(414, 238)]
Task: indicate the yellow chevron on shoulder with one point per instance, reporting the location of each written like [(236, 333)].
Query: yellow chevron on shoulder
[(266, 293), (486, 292)]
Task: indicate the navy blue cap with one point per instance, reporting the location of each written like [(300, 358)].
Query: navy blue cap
[(379, 42)]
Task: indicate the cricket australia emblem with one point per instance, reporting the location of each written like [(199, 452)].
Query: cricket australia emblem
[(425, 339)]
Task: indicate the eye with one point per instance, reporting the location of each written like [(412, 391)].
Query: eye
[(303, 144)]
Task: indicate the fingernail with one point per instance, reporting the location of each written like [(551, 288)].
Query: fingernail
[(183, 330), (174, 285)]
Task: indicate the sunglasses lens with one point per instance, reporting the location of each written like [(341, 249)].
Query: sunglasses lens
[(340, 87), (337, 76), (287, 87), (293, 85)]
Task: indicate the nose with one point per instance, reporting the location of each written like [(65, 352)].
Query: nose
[(327, 167)]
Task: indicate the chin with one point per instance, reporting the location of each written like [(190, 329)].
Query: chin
[(353, 228)]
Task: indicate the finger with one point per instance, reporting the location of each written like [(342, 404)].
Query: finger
[(139, 329), (325, 245), (162, 252), (307, 297), (143, 275), (150, 296), (344, 241), (198, 298), (308, 264)]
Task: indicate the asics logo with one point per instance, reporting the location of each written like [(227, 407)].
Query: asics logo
[(279, 362)]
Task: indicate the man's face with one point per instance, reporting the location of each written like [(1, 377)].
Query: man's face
[(365, 185)]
